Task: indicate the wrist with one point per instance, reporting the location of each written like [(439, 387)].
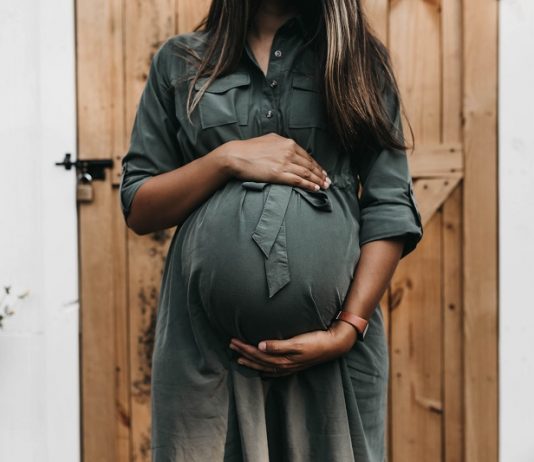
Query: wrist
[(226, 159), (359, 323), (345, 334)]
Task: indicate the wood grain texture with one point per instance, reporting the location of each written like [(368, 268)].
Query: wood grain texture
[(415, 46), (451, 63), (105, 410), (452, 235), (416, 321), (431, 195), (480, 230), (377, 12), (416, 352), (441, 161), (147, 256), (150, 23), (190, 13), (453, 380)]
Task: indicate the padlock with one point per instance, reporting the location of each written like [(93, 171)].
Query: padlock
[(84, 187)]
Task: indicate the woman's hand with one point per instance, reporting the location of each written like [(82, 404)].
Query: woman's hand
[(276, 358), (273, 158)]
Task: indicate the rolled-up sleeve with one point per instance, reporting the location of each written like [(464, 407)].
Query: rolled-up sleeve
[(153, 147), (387, 202)]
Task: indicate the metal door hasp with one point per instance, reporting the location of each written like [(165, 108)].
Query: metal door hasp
[(94, 167)]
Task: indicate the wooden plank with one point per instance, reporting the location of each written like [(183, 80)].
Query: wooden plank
[(415, 45), (190, 12), (480, 230), (99, 99), (377, 12), (416, 412), (119, 245), (100, 130), (102, 136), (149, 24), (118, 129), (451, 26), (453, 433), (122, 351), (440, 160), (385, 304), (416, 351), (430, 195), (452, 327), (97, 329), (147, 256)]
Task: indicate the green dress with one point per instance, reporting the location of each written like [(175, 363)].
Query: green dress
[(263, 261)]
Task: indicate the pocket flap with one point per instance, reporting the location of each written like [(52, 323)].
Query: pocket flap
[(305, 82), (225, 83)]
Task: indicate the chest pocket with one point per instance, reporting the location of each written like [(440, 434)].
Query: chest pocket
[(306, 106), (225, 101)]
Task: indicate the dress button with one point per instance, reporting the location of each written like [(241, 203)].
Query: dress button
[(278, 53), (269, 114), (274, 84)]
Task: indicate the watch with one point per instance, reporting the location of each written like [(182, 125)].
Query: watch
[(360, 324)]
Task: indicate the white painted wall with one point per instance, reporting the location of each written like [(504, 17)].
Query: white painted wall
[(39, 385), (516, 229)]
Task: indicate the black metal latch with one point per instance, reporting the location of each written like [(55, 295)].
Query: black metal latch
[(87, 171), (93, 168)]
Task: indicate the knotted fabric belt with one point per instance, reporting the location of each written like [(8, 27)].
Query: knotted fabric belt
[(270, 232)]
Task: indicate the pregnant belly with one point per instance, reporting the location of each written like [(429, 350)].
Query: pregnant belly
[(270, 261)]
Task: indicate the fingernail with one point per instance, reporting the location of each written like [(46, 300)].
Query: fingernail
[(325, 172), (232, 346), (329, 180), (262, 346)]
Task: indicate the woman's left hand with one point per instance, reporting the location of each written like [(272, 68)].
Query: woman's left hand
[(276, 358)]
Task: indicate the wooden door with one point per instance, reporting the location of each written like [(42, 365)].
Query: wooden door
[(441, 307)]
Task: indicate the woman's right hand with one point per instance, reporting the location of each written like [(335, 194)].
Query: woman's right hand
[(273, 158)]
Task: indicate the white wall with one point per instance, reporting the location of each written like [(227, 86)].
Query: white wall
[(39, 385), (516, 228)]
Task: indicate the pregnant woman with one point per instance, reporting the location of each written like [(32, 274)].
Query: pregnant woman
[(271, 137)]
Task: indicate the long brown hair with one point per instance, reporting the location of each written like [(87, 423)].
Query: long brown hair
[(357, 76)]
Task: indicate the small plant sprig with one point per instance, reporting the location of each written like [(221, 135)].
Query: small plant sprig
[(8, 300)]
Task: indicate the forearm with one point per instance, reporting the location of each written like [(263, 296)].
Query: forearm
[(166, 200), (375, 268), (377, 263)]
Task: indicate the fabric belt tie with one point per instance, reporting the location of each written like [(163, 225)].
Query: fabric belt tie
[(270, 232)]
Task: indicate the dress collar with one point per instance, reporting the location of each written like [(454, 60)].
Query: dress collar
[(300, 22)]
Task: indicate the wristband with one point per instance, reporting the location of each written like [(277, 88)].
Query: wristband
[(360, 324)]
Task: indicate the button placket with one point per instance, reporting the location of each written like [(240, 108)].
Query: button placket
[(270, 119), (270, 115)]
